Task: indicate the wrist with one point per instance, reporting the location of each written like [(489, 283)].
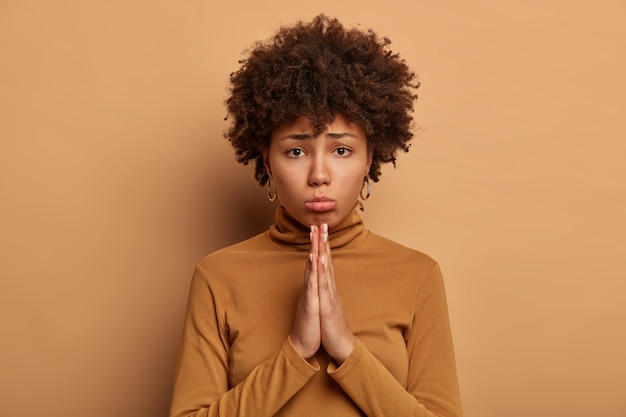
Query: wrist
[(300, 349), (345, 351)]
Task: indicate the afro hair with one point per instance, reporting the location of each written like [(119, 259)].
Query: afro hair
[(317, 70)]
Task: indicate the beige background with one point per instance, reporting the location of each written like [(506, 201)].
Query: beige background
[(114, 181)]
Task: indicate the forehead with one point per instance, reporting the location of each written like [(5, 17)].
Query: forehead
[(303, 125)]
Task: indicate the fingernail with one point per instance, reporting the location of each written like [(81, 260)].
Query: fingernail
[(311, 236), (325, 237), (326, 227), (322, 260), (310, 257)]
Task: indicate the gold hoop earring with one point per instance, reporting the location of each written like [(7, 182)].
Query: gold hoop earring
[(271, 197), (366, 184)]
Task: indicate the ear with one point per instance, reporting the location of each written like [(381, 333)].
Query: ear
[(266, 160), (370, 158)]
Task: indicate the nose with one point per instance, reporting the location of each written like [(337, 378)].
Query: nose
[(319, 173)]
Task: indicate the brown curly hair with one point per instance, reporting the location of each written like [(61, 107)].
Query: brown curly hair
[(317, 70)]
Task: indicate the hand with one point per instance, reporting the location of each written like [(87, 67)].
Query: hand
[(320, 316), (337, 338), (306, 332)]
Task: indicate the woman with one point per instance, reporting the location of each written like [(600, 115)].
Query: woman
[(318, 109)]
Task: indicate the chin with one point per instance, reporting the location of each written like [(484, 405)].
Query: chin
[(330, 218)]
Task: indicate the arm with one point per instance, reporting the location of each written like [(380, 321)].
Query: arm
[(432, 388), (201, 386)]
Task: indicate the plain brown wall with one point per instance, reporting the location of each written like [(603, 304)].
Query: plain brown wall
[(114, 181)]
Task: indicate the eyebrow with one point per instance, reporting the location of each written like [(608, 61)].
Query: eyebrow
[(304, 136), (298, 136)]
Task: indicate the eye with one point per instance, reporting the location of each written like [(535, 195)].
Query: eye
[(295, 153), (342, 151)]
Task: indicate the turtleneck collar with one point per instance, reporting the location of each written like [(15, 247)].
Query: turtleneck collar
[(289, 234)]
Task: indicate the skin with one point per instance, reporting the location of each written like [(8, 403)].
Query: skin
[(318, 180)]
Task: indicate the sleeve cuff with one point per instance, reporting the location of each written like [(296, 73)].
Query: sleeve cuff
[(355, 357), (306, 366)]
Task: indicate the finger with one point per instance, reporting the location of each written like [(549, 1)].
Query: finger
[(307, 267), (315, 240), (325, 253), (323, 258), (312, 269), (312, 262), (322, 276), (328, 254), (322, 240), (310, 292)]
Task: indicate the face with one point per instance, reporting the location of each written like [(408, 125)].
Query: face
[(318, 178)]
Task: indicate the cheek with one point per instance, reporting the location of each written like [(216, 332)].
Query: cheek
[(351, 182), (287, 181)]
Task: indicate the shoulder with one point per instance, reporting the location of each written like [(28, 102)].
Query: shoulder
[(384, 260), (385, 246), (232, 255)]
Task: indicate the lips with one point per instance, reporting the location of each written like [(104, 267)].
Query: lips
[(320, 204)]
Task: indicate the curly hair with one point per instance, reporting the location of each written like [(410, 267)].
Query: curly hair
[(318, 70)]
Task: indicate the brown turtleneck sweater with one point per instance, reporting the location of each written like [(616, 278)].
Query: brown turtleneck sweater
[(236, 359)]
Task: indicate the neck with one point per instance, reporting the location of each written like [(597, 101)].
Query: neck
[(288, 234)]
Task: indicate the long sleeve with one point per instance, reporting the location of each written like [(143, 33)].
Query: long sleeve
[(432, 387), (202, 387), (236, 359)]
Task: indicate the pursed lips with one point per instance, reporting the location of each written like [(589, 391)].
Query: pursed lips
[(320, 204)]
